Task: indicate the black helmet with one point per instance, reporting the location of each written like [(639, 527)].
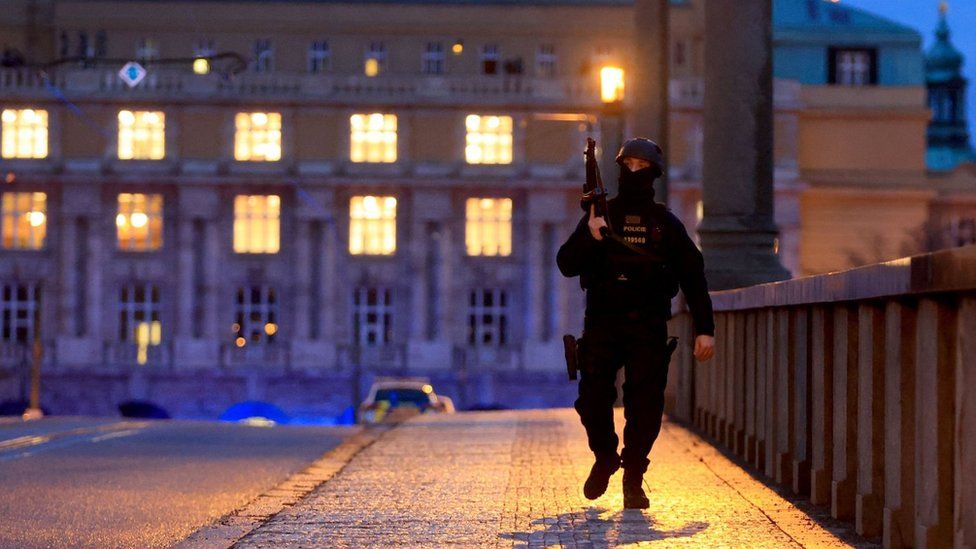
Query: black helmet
[(645, 149)]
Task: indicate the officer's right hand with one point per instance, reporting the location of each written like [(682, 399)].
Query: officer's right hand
[(595, 223)]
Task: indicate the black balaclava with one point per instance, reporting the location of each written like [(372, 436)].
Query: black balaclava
[(638, 184)]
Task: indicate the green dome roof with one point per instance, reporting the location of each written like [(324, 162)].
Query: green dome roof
[(943, 62)]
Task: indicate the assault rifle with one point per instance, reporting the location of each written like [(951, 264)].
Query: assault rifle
[(596, 194)]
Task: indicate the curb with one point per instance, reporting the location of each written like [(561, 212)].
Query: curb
[(230, 528)]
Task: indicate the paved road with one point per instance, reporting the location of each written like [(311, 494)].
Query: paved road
[(86, 482), (507, 479)]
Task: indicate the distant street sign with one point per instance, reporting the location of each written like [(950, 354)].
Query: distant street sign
[(132, 73)]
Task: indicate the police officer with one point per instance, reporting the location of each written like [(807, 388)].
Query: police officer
[(629, 286)]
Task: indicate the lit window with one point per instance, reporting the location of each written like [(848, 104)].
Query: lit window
[(489, 139), (140, 222), (24, 221), (24, 133), (372, 316), (433, 59), (375, 59), (319, 57), (373, 137), (488, 227), (545, 61), (19, 308), (487, 317), (489, 59), (139, 321), (255, 316), (142, 135), (257, 224), (372, 225), (258, 136), (263, 55)]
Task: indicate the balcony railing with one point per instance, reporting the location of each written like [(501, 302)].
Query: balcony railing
[(179, 85)]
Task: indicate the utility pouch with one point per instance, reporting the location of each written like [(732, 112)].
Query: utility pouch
[(571, 348)]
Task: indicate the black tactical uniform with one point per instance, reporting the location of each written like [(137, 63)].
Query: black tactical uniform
[(628, 302)]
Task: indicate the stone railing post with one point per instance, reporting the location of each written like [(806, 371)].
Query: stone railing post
[(870, 420), (965, 450), (800, 366), (845, 413), (899, 418), (822, 414), (935, 423)]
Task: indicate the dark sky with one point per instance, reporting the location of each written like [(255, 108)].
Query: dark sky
[(923, 16)]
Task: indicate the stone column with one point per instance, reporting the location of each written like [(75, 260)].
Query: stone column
[(738, 231), (68, 298), (95, 266), (650, 78), (302, 261), (870, 424), (184, 283), (899, 419)]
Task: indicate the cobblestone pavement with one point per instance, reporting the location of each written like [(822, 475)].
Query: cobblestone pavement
[(503, 479)]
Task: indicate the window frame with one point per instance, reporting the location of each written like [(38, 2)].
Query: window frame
[(498, 311), (546, 61), (319, 57), (502, 141), (383, 309), (10, 216), (434, 59), (267, 309), (247, 222), (362, 229), (833, 68), (11, 306), (149, 307), (16, 126), (494, 223)]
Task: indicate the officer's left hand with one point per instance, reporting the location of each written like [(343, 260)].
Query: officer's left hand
[(704, 348)]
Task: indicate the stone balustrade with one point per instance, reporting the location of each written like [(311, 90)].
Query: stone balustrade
[(855, 388), (24, 84)]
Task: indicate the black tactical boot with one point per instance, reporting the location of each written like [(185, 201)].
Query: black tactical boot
[(634, 497), (603, 468)]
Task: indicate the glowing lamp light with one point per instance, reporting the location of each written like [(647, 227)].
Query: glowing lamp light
[(201, 66), (611, 84), (35, 218), (240, 342), (271, 328), (372, 67), (139, 220), (427, 389), (458, 47)]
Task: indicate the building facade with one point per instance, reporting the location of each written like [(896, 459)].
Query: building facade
[(382, 189)]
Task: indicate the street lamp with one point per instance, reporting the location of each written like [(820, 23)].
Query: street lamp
[(612, 121), (611, 84)]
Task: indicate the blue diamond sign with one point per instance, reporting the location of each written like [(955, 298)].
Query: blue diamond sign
[(132, 73)]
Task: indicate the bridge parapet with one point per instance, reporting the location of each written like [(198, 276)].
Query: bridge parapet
[(854, 388)]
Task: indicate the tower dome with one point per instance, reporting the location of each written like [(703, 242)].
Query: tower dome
[(943, 62)]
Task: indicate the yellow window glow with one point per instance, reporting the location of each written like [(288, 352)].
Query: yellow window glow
[(372, 225), (142, 135), (489, 139), (257, 137), (23, 133), (488, 226), (139, 223), (257, 224), (23, 220), (373, 137), (611, 84)]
